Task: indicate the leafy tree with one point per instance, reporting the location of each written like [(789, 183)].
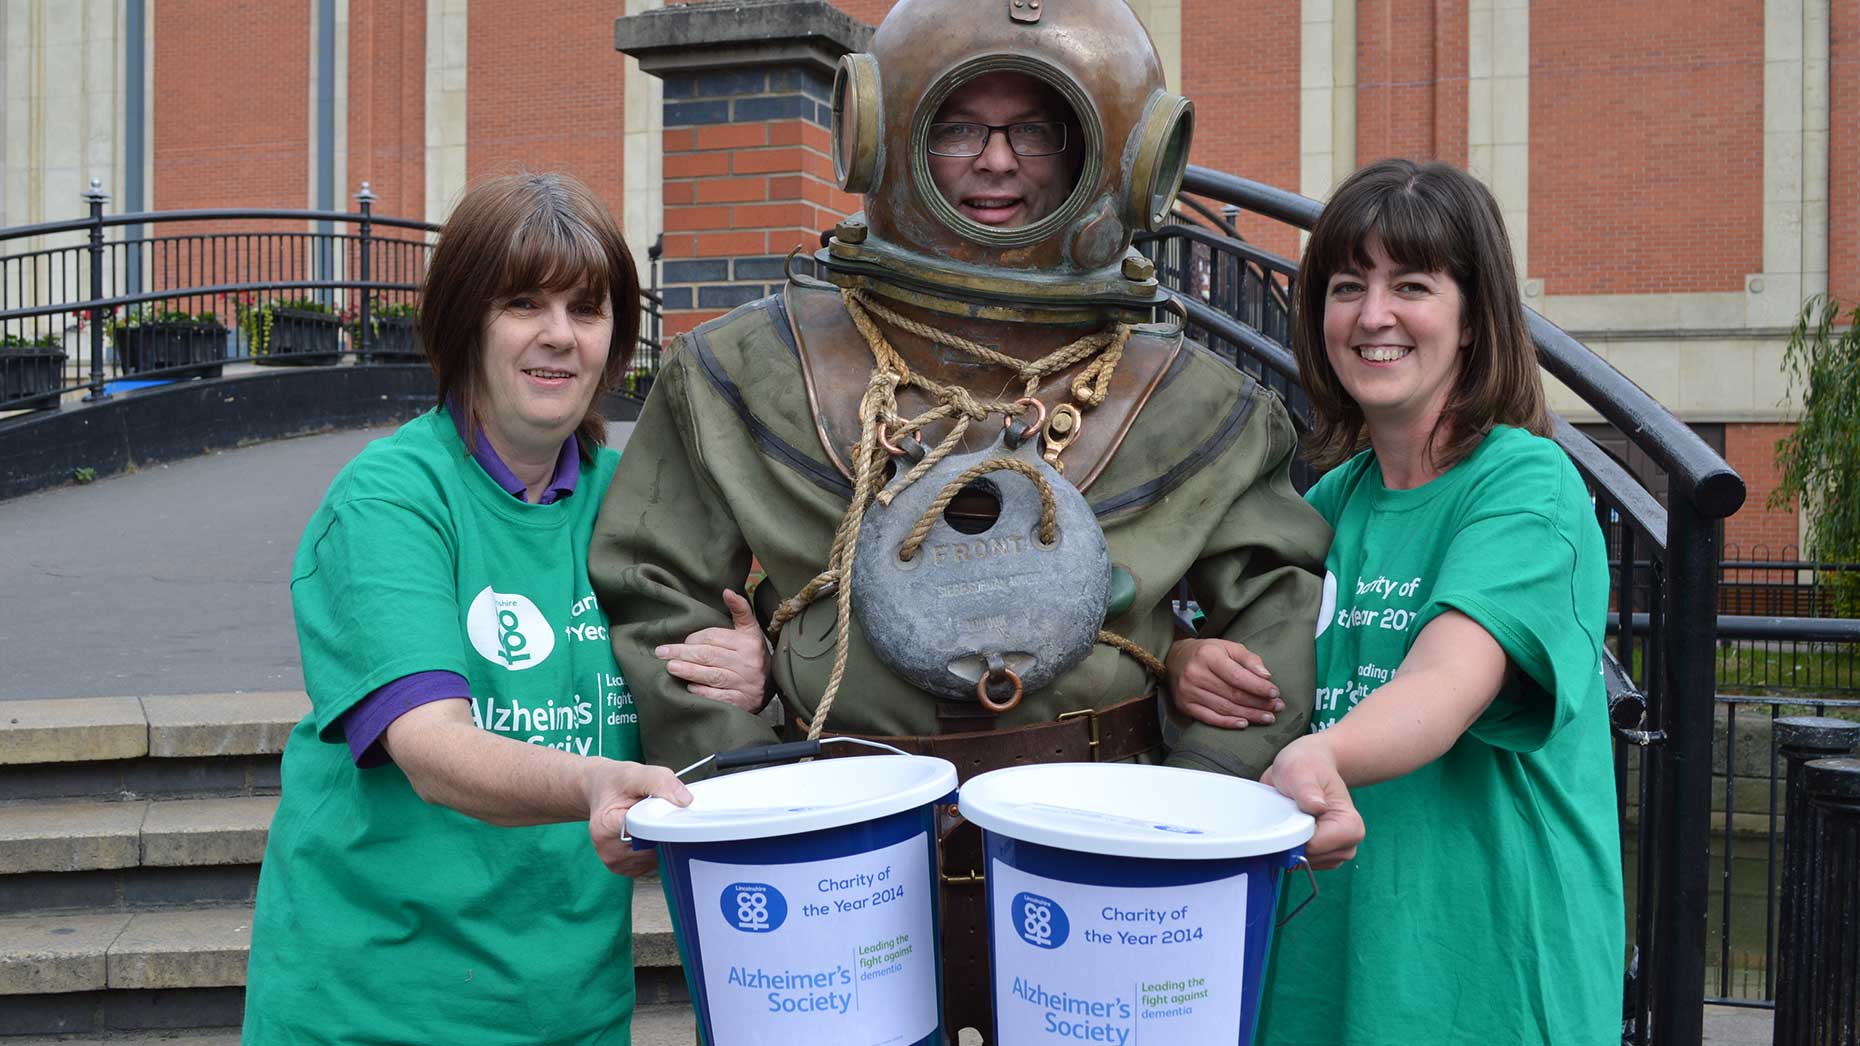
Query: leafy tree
[(1820, 460)]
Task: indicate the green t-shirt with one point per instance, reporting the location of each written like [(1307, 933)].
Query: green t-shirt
[(1485, 905), (381, 918)]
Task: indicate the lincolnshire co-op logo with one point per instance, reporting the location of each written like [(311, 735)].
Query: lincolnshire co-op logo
[(508, 630), (1039, 920), (753, 907)]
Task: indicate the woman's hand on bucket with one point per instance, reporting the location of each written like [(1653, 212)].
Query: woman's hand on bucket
[(1306, 772), (613, 787), (1221, 683), (724, 664)]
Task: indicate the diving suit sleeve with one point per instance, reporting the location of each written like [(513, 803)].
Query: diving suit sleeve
[(664, 548), (1259, 581)]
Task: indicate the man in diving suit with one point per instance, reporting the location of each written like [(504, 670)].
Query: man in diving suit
[(1021, 151)]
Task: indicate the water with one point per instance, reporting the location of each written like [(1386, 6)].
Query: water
[(1743, 970)]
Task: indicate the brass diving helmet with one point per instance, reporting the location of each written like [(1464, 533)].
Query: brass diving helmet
[(1095, 56)]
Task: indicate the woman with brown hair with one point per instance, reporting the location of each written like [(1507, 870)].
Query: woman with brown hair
[(429, 875), (1459, 698)]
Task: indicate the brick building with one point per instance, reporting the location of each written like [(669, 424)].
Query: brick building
[(1677, 177)]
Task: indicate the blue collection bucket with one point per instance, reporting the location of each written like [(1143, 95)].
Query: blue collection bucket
[(804, 897), (1130, 904)]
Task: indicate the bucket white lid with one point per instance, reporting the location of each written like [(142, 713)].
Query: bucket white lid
[(1129, 810), (799, 797)]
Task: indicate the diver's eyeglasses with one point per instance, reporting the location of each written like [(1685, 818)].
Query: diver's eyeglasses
[(969, 139)]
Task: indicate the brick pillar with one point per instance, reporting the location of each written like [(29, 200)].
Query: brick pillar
[(748, 172), (1758, 531)]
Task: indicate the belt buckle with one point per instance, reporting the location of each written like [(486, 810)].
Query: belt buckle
[(1090, 715)]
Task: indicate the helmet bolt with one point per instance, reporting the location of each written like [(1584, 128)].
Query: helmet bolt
[(850, 231), (1137, 267)]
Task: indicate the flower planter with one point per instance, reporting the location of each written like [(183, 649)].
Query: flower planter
[(197, 347), (30, 378), (299, 337), (395, 339)]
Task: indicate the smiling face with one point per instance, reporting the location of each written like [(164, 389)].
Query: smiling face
[(997, 187), (1394, 339), (542, 360)]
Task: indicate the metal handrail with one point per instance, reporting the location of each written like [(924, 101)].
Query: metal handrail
[(1698, 471), (1640, 508), (206, 291), (1239, 248), (1218, 221), (108, 221), (1754, 626), (190, 266), (1267, 351)]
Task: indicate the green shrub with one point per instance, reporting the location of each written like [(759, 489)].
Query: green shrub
[(21, 343), (1820, 460)]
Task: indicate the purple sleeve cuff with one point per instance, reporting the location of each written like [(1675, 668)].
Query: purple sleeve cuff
[(366, 722)]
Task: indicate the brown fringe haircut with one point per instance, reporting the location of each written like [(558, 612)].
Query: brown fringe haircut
[(1430, 218), (516, 233)]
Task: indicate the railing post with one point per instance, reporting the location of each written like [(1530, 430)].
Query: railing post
[(1684, 802), (654, 256), (96, 197), (366, 199), (1831, 966), (1800, 740)]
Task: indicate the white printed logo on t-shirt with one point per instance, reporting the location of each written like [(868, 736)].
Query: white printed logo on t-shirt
[(508, 629), (1330, 602)]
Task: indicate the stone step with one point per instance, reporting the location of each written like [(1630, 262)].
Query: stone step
[(128, 747), (78, 952), (66, 836), (92, 729), (661, 1024), (206, 947), (170, 1037), (108, 973), (666, 1024)]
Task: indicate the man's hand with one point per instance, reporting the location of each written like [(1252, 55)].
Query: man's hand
[(725, 664), (1221, 683), (1306, 772), (613, 788)]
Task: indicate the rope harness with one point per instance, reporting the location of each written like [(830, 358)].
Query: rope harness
[(882, 430)]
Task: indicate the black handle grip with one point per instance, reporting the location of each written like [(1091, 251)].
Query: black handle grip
[(755, 755)]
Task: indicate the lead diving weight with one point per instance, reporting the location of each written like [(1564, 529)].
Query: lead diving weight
[(1001, 603)]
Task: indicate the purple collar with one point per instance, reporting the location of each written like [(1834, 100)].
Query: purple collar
[(561, 484)]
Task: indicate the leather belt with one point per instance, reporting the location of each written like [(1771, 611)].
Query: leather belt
[(1123, 730)]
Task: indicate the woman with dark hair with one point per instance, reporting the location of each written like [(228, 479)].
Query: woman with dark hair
[(1459, 650), (429, 875)]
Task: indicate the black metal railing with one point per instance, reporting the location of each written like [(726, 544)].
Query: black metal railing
[(1662, 684), (1748, 821), (1785, 585), (106, 302), (1775, 639)]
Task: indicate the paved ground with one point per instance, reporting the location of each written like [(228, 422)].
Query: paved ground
[(170, 580), (1737, 1026), (175, 580)]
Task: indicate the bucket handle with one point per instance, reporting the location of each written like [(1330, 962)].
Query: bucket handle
[(1311, 876), (756, 755)]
